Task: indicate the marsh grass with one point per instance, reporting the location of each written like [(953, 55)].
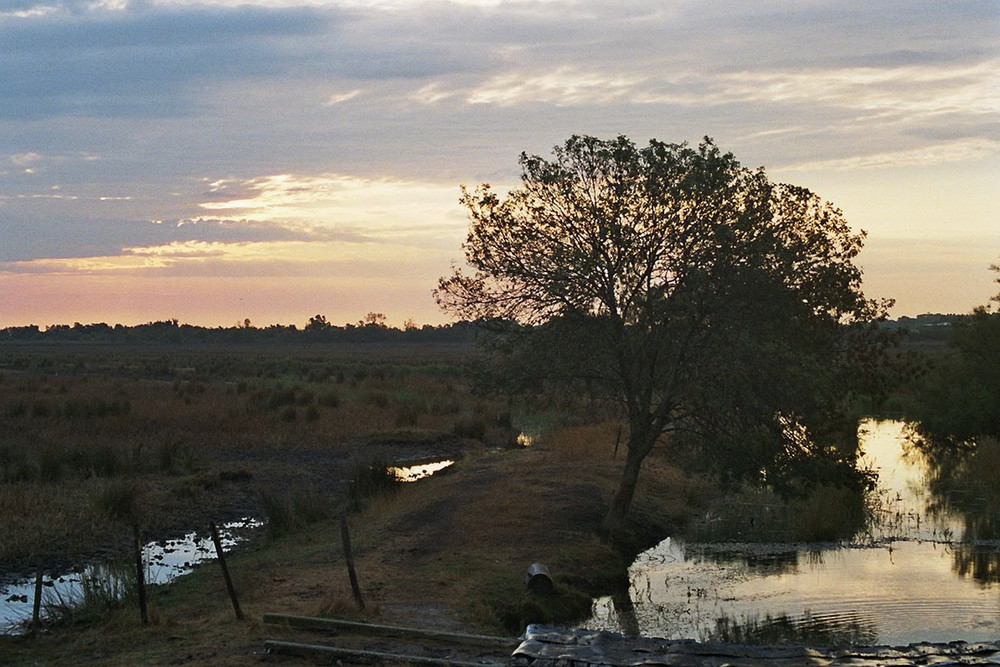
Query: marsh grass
[(756, 514), (119, 500), (291, 510), (104, 590), (369, 477)]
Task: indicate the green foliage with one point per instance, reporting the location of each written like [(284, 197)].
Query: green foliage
[(511, 606)]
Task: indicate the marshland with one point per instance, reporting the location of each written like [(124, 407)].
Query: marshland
[(100, 439)]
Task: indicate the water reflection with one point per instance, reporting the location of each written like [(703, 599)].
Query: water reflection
[(927, 570), (417, 472), (839, 629), (981, 563), (757, 561), (164, 561)]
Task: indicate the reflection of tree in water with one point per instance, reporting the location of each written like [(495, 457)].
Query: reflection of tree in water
[(964, 482), (809, 629), (979, 562), (756, 561)]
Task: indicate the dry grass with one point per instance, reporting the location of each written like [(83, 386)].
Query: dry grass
[(201, 435), (450, 552)]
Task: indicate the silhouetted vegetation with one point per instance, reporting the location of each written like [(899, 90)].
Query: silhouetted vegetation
[(718, 311), (957, 397), (372, 329)]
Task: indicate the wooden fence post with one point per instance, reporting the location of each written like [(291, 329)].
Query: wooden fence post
[(225, 571), (140, 576), (37, 606), (345, 537)]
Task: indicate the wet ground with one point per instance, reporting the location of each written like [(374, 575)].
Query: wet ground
[(553, 647)]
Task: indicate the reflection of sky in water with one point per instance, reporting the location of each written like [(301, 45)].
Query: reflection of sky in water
[(903, 484), (896, 592), (163, 560), (413, 473)]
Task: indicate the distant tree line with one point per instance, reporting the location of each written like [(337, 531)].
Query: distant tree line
[(957, 399), (371, 329)]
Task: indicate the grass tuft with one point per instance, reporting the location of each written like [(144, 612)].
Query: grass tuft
[(290, 510)]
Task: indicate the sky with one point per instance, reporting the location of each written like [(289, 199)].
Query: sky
[(271, 160)]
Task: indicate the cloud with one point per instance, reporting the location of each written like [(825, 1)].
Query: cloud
[(339, 98), (304, 127), (141, 62), (26, 239), (331, 201), (937, 154)]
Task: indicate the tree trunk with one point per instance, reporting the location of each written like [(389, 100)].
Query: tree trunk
[(638, 448)]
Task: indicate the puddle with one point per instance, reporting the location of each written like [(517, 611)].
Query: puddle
[(913, 580), (164, 561), (417, 472)]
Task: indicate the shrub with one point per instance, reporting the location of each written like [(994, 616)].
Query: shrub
[(328, 399), (175, 457)]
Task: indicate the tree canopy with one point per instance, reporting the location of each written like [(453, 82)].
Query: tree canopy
[(708, 302)]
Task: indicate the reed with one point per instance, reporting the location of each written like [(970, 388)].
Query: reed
[(291, 510)]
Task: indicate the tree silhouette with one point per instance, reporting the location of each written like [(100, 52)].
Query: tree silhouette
[(707, 301)]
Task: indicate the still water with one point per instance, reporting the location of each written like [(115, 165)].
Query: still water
[(913, 577), (164, 561)]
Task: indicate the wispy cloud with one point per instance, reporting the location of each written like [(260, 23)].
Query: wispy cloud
[(959, 151), (320, 137)]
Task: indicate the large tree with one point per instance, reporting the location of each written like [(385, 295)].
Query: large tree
[(707, 301)]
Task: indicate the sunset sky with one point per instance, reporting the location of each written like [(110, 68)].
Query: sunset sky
[(276, 159)]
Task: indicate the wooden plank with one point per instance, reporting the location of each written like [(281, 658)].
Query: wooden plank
[(342, 625), (358, 655)]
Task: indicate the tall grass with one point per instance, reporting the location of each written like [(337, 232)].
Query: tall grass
[(104, 589), (756, 514), (291, 510), (369, 477), (82, 425)]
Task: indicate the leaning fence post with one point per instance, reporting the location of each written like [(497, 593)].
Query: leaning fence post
[(140, 576), (345, 537), (225, 571), (37, 608)]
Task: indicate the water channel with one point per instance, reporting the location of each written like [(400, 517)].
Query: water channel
[(164, 561), (915, 576)]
